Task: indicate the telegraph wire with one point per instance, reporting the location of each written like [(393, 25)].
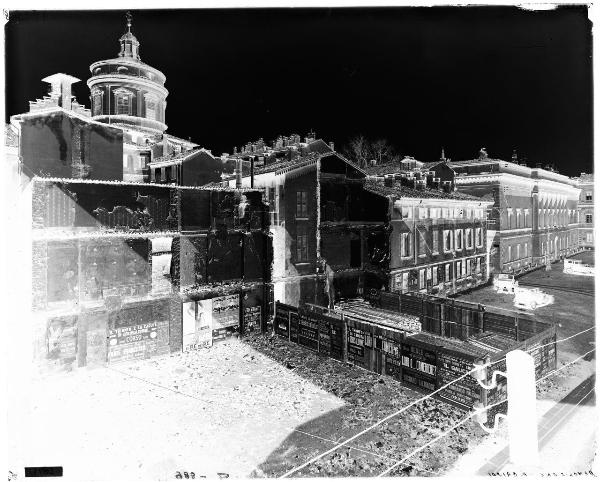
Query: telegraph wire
[(403, 409), (561, 340), (442, 435), (400, 462), (360, 450), (553, 372), (347, 446), (388, 417)]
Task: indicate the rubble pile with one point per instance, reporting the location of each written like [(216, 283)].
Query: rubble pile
[(368, 398)]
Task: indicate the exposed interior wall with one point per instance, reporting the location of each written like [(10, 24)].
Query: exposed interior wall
[(59, 145), (84, 205), (307, 289)]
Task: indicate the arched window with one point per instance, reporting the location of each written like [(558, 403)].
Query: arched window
[(123, 102)]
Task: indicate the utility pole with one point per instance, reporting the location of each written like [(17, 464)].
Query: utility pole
[(521, 412), (522, 419)]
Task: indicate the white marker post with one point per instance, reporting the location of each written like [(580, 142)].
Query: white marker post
[(522, 419)]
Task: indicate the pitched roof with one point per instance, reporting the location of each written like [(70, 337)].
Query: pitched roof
[(429, 165), (378, 187), (287, 164), (485, 160), (298, 162), (319, 146), (387, 168), (180, 157), (180, 140)]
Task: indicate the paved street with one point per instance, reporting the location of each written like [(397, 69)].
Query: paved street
[(572, 310), (566, 400)]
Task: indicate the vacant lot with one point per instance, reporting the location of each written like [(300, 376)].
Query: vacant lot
[(258, 407)]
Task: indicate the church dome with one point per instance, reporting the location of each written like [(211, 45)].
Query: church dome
[(126, 91)]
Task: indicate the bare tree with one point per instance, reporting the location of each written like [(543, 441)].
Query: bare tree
[(361, 150), (358, 150), (381, 150)]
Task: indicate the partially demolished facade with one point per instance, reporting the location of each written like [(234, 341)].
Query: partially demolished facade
[(118, 268), (337, 233)]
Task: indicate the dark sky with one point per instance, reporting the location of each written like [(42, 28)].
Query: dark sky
[(462, 78)]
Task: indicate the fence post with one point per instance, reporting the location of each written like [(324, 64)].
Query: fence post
[(522, 419)]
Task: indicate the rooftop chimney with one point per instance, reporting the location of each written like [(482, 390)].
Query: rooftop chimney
[(238, 173), (60, 88), (443, 156), (515, 158), (483, 153), (331, 146), (429, 177)]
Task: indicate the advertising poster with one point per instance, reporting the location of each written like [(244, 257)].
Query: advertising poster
[(61, 339), (450, 367), (197, 325), (138, 341), (252, 319), (282, 320), (226, 316)]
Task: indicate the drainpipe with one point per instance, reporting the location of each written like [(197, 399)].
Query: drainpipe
[(252, 171)]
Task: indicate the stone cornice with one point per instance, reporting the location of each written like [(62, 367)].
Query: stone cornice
[(127, 79), (132, 122), (131, 62), (441, 202), (498, 178)]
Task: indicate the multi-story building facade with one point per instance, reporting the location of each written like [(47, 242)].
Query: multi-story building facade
[(118, 268), (337, 233), (438, 240), (288, 172), (585, 210), (533, 219)]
